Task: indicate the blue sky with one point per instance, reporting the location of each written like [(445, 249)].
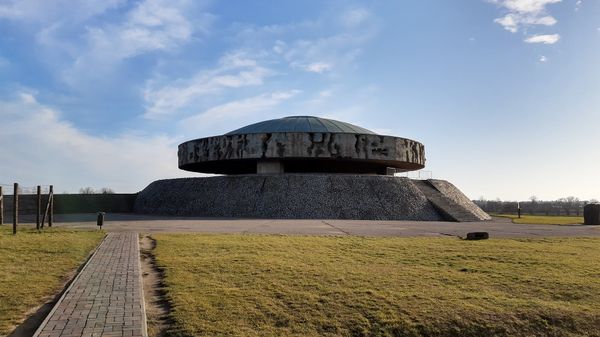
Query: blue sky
[(505, 94)]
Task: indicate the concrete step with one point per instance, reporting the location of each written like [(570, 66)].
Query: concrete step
[(450, 210)]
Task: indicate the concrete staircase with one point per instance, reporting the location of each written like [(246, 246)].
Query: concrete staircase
[(450, 210)]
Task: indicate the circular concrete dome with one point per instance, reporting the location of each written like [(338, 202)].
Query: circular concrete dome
[(301, 144), (301, 124)]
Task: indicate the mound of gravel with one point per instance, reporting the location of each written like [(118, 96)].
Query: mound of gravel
[(289, 196), (450, 191)]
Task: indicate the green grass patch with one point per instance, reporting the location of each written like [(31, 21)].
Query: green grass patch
[(33, 266), (543, 219), (253, 285)]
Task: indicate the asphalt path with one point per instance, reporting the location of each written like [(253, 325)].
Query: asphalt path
[(498, 227)]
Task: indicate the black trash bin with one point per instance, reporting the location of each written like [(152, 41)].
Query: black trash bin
[(100, 220)]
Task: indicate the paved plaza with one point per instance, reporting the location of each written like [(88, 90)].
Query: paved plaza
[(106, 297), (498, 227)]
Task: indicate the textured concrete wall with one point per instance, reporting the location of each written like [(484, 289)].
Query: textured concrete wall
[(289, 196), (391, 151)]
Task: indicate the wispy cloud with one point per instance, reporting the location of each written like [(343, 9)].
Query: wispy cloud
[(355, 16), (318, 67), (3, 62), (543, 58), (235, 70), (52, 11), (238, 110), (262, 52), (150, 26), (323, 54), (91, 40), (545, 39), (525, 13), (71, 158), (321, 45)]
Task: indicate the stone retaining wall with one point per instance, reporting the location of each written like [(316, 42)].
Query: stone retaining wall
[(289, 196)]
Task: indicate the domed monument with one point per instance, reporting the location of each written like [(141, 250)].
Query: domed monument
[(301, 144), (303, 167)]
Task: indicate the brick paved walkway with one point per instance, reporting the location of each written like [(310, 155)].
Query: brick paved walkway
[(106, 297)]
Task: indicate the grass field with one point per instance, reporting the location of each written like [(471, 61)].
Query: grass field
[(543, 219), (252, 285), (34, 265)]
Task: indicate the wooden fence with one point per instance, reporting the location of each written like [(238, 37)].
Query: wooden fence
[(44, 211), (43, 204)]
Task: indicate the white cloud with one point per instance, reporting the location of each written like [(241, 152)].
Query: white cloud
[(524, 13), (315, 103), (151, 25), (263, 45), (545, 20), (324, 54), (278, 47), (318, 67), (325, 93), (543, 58), (3, 62), (526, 6), (320, 45), (545, 39), (509, 22), (239, 109), (355, 16), (148, 26), (56, 10), (38, 147), (235, 70)]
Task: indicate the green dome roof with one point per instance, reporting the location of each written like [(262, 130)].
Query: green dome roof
[(301, 124)]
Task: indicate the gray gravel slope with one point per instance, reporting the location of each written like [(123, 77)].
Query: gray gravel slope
[(290, 196)]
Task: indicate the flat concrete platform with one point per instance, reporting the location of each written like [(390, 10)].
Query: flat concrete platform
[(498, 227)]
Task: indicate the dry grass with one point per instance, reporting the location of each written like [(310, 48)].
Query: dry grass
[(33, 266), (252, 285), (543, 219)]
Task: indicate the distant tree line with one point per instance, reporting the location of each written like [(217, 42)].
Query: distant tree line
[(534, 206), (89, 190)]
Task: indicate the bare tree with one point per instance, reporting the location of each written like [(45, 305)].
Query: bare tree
[(534, 204), (568, 204), (547, 207), (86, 190), (107, 190)]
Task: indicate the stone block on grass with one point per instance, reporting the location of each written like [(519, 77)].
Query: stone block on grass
[(478, 236)]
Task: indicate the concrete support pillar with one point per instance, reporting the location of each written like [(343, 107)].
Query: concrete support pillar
[(269, 167)]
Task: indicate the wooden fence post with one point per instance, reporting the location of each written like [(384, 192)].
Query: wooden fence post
[(39, 207), (51, 201), (15, 207), (1, 207)]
